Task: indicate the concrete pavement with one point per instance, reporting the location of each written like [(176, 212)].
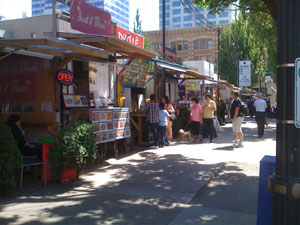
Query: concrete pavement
[(181, 184)]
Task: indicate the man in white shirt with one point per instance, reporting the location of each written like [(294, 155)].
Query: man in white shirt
[(260, 115)]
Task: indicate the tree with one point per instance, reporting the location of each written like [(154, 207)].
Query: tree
[(215, 6), (137, 28), (238, 42)]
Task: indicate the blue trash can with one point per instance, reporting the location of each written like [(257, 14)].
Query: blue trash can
[(264, 208)]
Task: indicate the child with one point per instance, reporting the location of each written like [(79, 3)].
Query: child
[(163, 123)]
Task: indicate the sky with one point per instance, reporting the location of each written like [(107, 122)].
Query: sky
[(149, 11)]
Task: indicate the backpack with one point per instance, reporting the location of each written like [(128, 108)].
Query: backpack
[(244, 111)]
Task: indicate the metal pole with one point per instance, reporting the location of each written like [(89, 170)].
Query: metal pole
[(163, 45), (54, 22), (285, 184), (259, 83), (237, 69), (219, 30)]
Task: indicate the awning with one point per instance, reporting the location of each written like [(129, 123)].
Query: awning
[(108, 43), (52, 46)]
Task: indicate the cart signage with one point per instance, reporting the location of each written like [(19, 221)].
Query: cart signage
[(89, 19), (130, 37), (65, 77), (297, 93), (245, 73)]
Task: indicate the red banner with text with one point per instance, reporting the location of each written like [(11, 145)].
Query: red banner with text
[(130, 37)]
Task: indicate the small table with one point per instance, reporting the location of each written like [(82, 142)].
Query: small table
[(138, 126), (47, 143)]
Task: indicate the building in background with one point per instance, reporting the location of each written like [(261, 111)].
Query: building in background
[(184, 14), (119, 9), (190, 44)]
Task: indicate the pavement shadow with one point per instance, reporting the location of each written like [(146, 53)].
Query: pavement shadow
[(151, 189)]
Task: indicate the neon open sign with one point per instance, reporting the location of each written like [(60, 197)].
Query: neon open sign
[(65, 77)]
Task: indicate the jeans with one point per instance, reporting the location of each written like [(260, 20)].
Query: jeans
[(208, 128), (154, 128), (162, 135)]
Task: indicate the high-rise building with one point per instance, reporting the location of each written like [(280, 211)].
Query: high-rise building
[(184, 14), (119, 9)]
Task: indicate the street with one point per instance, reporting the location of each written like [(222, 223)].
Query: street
[(211, 184)]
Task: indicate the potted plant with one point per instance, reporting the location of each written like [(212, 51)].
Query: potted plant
[(10, 160), (75, 147)]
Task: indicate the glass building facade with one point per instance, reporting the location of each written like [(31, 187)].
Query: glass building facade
[(119, 9)]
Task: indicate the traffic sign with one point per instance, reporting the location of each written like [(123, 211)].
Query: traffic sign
[(297, 93)]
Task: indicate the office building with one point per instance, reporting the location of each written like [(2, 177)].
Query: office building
[(119, 9), (184, 14), (190, 44)]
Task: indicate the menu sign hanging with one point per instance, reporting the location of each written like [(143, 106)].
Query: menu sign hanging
[(136, 73), (130, 37), (89, 19)]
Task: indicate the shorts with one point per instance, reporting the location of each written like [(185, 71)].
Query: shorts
[(195, 128), (237, 125)]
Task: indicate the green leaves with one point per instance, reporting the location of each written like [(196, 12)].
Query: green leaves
[(76, 146), (10, 160)]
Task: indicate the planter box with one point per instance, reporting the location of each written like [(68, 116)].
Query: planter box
[(68, 175)]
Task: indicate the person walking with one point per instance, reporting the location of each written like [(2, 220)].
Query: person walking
[(152, 108), (163, 116), (209, 108), (196, 119), (170, 110), (237, 120), (260, 115)]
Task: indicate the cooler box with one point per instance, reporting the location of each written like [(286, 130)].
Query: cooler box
[(264, 209)]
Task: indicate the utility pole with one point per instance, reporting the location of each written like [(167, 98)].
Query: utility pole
[(163, 46), (219, 31), (54, 21), (285, 184), (237, 69)]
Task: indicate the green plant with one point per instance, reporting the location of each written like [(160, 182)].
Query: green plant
[(10, 160), (76, 146)]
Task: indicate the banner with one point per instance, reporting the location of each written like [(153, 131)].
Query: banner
[(89, 19), (130, 37), (244, 73)]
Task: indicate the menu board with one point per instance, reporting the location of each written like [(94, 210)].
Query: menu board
[(73, 101), (111, 124), (136, 73)]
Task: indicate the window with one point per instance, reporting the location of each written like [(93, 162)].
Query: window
[(223, 22), (210, 44), (176, 19), (33, 35), (176, 26), (188, 25), (199, 24), (196, 45), (186, 46), (167, 7), (176, 11), (203, 44), (167, 22), (187, 18), (211, 16), (176, 3), (167, 14), (198, 8), (186, 10), (179, 47), (224, 14), (173, 46)]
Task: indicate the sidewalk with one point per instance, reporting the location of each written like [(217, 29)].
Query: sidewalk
[(181, 184)]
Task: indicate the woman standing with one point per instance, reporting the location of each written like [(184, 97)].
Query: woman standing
[(196, 118), (221, 111), (170, 109)]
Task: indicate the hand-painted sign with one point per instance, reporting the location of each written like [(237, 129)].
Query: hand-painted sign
[(17, 87), (89, 19), (65, 77), (130, 37)]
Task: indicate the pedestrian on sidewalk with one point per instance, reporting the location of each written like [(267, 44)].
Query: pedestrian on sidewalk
[(237, 120), (163, 116), (152, 108), (260, 115), (196, 119), (170, 110), (209, 108)]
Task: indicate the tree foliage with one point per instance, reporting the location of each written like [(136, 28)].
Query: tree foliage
[(137, 24)]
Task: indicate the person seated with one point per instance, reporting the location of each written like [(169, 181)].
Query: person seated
[(26, 148)]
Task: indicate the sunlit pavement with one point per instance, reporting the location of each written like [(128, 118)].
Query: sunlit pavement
[(181, 184)]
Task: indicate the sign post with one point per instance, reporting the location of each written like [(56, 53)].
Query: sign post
[(297, 92), (244, 73)]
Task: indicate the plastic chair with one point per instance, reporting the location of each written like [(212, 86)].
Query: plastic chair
[(32, 161)]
